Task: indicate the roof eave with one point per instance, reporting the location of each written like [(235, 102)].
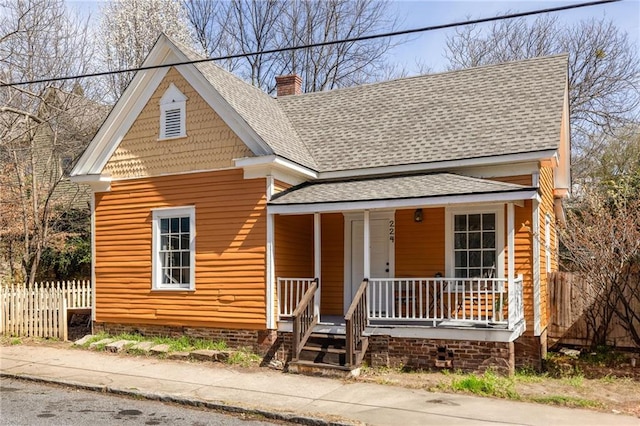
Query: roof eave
[(514, 196), (276, 166), (97, 182), (443, 165)]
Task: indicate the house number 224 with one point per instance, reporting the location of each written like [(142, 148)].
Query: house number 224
[(392, 231)]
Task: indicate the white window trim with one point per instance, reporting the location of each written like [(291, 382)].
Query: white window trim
[(172, 99), (156, 263), (501, 244)]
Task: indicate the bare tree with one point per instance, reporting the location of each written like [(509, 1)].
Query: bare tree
[(245, 26), (42, 126), (604, 69), (128, 31), (602, 237)]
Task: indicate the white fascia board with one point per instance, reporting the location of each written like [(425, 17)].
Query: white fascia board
[(443, 165), (125, 111), (228, 114), (98, 183), (138, 93), (563, 172), (502, 170), (278, 167), (445, 200), (119, 121)]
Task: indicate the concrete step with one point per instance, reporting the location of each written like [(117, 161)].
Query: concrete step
[(310, 368), (336, 357)]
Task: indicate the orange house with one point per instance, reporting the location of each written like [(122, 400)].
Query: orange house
[(404, 222)]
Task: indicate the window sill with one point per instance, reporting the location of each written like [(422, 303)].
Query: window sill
[(173, 289)]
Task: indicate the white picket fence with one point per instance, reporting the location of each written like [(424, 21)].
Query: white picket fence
[(41, 310)]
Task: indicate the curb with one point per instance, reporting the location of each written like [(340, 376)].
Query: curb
[(191, 402)]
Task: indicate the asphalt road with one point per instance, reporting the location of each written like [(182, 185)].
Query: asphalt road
[(29, 403)]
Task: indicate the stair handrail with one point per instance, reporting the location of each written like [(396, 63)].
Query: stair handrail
[(356, 323), (304, 319)]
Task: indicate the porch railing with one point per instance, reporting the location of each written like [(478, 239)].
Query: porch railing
[(290, 293), (516, 302), (478, 300), (304, 319), (355, 324)]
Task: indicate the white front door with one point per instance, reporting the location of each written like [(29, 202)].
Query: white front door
[(381, 262)]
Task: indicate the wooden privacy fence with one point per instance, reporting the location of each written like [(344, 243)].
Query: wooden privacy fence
[(41, 310), (569, 299)]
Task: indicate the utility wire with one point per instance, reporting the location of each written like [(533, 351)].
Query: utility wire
[(326, 43)]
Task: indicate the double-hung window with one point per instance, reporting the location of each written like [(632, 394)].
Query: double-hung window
[(174, 248), (475, 249)]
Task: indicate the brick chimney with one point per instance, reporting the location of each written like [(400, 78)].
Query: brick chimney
[(289, 85)]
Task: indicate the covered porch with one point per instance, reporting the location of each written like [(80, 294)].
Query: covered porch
[(423, 255)]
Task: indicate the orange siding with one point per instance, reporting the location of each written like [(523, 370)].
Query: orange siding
[(230, 251), (523, 245), (294, 246), (546, 207), (332, 260), (420, 246), (523, 256), (279, 186)]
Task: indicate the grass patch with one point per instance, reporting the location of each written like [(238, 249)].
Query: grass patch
[(175, 344), (244, 358), (186, 344), (611, 379), (529, 375), (566, 401), (604, 356), (129, 336), (95, 338), (489, 384), (577, 381), (15, 341), (137, 352)]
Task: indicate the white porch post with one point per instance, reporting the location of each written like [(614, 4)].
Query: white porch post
[(367, 246), (93, 256), (511, 266), (536, 268), (511, 242), (269, 259), (317, 252)]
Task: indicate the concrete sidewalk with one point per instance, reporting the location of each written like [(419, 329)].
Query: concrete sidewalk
[(282, 395)]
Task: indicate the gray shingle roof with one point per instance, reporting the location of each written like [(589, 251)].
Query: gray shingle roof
[(257, 109), (492, 110), (390, 188)]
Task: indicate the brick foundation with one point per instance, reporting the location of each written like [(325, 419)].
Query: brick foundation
[(530, 351), (260, 341), (418, 353), (412, 353)]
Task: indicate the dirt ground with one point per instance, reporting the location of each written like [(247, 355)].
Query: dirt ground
[(602, 388)]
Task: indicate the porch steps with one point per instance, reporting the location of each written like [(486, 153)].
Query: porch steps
[(310, 368), (324, 354)]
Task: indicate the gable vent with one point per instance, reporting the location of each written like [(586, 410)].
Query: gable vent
[(173, 113), (172, 123)]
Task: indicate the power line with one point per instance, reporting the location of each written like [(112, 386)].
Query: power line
[(321, 44)]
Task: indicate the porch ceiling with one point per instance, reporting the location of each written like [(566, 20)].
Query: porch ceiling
[(398, 191)]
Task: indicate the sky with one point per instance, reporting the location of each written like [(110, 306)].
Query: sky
[(428, 48)]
